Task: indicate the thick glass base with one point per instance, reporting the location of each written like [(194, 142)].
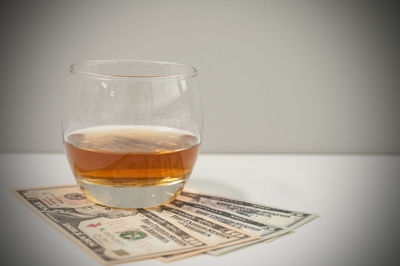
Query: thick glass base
[(131, 197)]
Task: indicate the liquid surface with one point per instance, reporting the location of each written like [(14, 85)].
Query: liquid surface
[(131, 156)]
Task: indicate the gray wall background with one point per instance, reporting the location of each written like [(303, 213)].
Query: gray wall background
[(276, 76)]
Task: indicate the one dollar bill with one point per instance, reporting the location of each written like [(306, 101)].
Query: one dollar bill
[(111, 235), (208, 230)]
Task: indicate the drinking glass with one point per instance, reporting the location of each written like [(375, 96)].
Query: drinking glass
[(132, 130)]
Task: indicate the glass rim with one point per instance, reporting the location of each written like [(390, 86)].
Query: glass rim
[(75, 69)]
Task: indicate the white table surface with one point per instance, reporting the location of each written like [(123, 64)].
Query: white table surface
[(357, 198)]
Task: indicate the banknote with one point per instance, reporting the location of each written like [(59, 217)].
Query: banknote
[(192, 224), (110, 235), (253, 211), (263, 230), (210, 231)]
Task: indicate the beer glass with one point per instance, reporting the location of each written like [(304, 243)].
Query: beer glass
[(131, 130)]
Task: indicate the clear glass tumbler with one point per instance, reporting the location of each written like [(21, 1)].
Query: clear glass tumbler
[(132, 130)]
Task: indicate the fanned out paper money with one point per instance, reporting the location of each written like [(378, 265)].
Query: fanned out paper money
[(265, 221), (195, 223)]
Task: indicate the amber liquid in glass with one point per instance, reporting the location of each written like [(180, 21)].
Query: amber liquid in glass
[(131, 156)]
